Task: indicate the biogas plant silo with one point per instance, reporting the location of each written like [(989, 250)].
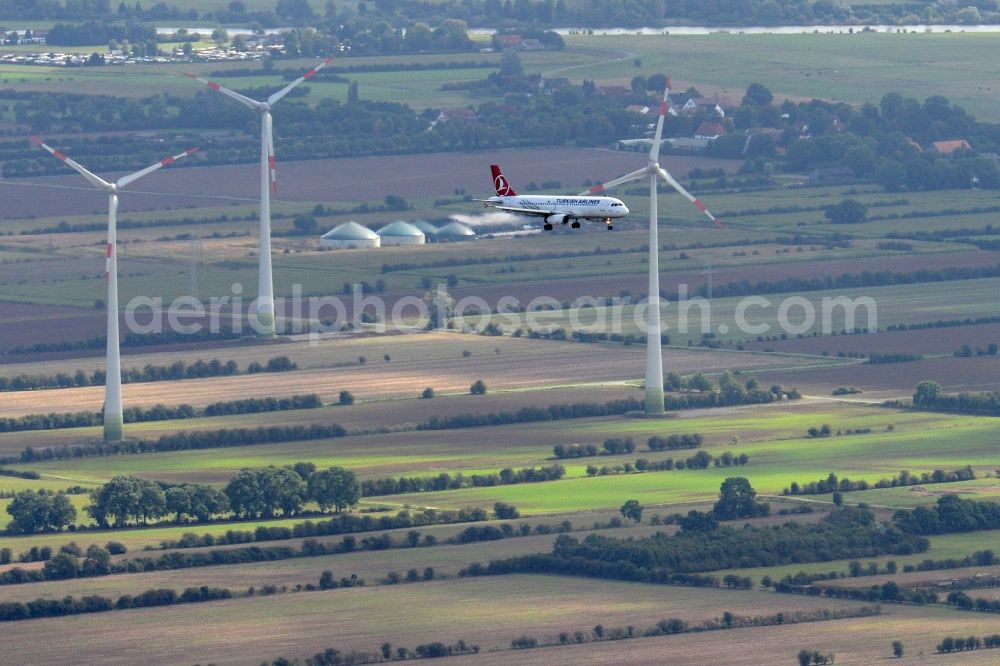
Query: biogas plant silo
[(401, 233), (349, 235)]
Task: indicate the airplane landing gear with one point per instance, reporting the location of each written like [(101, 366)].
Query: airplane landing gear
[(575, 225), (548, 227), (607, 221)]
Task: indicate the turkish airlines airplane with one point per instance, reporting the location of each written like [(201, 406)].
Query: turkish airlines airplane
[(554, 209)]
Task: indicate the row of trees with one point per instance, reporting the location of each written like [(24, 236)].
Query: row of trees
[(929, 395), (149, 373), (950, 514), (833, 484), (845, 533), (852, 280), (11, 611), (445, 481), (187, 440), (160, 413)]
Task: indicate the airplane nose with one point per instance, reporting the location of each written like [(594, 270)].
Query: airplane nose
[(624, 209)]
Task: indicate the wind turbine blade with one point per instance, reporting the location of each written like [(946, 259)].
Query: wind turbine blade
[(628, 178), (131, 178), (654, 150), (308, 75), (242, 99), (95, 180), (687, 195)]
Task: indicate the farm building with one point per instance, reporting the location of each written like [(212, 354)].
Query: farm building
[(350, 235), (454, 231), (401, 233)]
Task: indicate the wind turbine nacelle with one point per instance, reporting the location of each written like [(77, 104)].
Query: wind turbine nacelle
[(558, 218)]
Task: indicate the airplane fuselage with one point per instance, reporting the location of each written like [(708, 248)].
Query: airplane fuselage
[(572, 207)]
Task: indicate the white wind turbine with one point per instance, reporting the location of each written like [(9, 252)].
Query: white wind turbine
[(268, 182), (654, 355), (113, 426)]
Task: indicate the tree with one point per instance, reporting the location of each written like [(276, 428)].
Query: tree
[(805, 657), (897, 649), (758, 95), (31, 512), (281, 488), (505, 511), (927, 393), (736, 499), (335, 487), (847, 211), (220, 36), (244, 493), (305, 225), (632, 510), (120, 498), (152, 502), (346, 398), (63, 565), (478, 388), (178, 501), (427, 393)]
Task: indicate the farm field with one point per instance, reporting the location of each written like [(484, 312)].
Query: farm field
[(919, 259), (489, 612)]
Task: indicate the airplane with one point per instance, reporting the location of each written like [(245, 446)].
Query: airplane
[(553, 209)]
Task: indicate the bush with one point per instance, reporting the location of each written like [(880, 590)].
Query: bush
[(428, 393), (478, 388), (346, 398)]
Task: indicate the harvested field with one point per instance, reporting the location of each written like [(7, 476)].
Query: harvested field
[(920, 629), (922, 341), (886, 381), (436, 360), (489, 612)]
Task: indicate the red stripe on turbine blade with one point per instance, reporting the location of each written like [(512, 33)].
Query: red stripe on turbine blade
[(328, 60), (191, 151), (167, 161), (108, 250), (596, 188), (272, 161), (700, 206), (309, 73), (663, 108), (56, 153), (213, 85), (190, 75), (35, 140), (669, 83)]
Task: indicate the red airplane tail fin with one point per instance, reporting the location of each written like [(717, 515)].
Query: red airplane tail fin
[(503, 187)]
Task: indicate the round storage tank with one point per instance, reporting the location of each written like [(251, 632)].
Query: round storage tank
[(401, 233), (350, 235), (429, 229), (455, 231)]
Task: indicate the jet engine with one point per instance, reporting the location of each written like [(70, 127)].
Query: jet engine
[(557, 218)]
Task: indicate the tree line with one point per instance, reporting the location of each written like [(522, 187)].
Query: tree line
[(150, 373), (53, 421), (186, 440), (12, 611), (832, 484), (132, 340), (843, 534), (959, 644), (929, 395), (444, 481), (950, 514), (851, 280)]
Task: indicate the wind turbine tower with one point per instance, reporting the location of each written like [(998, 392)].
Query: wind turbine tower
[(654, 354), (268, 184), (113, 422)]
